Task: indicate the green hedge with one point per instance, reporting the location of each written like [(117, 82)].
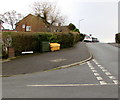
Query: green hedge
[(28, 41), (117, 38)]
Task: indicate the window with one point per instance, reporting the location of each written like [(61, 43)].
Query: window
[(23, 26), (28, 28)]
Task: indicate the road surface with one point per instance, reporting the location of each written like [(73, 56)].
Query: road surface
[(97, 78)]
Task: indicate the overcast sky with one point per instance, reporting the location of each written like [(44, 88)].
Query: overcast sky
[(100, 17)]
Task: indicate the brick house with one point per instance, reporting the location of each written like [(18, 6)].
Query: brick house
[(32, 23)]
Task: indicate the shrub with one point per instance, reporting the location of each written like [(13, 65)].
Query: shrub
[(71, 26), (76, 30), (82, 36), (28, 41), (65, 39), (117, 38)]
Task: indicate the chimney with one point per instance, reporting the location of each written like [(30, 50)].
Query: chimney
[(59, 24)]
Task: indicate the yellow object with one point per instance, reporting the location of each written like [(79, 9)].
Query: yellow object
[(54, 46)]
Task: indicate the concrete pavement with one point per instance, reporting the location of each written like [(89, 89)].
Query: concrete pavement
[(46, 61)]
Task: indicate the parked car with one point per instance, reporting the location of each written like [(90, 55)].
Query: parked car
[(95, 39), (88, 38)]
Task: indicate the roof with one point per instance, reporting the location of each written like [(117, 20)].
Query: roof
[(31, 17)]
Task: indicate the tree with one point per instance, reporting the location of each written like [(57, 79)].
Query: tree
[(48, 11), (11, 18), (76, 30), (71, 26)]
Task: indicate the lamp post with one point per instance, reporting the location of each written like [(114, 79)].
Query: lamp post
[(80, 21)]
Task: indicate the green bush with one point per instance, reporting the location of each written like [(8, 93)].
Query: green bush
[(24, 42), (117, 38), (28, 41), (65, 39), (71, 26), (76, 30), (82, 36)]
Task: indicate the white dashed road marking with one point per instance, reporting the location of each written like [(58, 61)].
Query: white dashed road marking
[(108, 74), (99, 78), (96, 74), (115, 81), (111, 77), (92, 68), (103, 82), (104, 70), (94, 71), (99, 65), (95, 62)]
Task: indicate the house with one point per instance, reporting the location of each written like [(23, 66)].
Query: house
[(1, 26), (32, 23)]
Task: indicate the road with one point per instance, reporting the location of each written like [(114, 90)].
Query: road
[(97, 78)]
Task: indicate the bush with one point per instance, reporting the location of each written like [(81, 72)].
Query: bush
[(82, 36), (28, 41), (65, 39), (117, 38), (76, 30), (71, 26)]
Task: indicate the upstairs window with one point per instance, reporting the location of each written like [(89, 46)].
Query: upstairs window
[(28, 28), (23, 26)]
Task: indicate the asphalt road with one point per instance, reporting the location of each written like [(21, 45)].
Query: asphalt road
[(97, 78)]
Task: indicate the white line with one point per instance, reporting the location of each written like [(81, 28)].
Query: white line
[(69, 85), (99, 78), (104, 70), (115, 81), (89, 64), (103, 83), (111, 77), (94, 70), (96, 74), (96, 62), (107, 73), (99, 65)]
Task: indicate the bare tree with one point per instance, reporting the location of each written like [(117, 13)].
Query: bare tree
[(48, 11), (11, 17)]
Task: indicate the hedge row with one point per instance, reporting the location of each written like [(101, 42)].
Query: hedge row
[(117, 38), (27, 41)]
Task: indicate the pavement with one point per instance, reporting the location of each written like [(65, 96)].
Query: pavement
[(46, 61)]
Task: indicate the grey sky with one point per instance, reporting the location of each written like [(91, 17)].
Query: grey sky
[(100, 16)]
